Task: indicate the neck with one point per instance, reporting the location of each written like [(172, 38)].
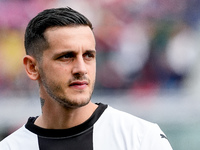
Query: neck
[(55, 116)]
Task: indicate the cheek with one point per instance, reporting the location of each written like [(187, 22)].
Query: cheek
[(93, 72), (60, 70), (54, 74)]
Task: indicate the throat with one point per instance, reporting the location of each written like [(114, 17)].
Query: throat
[(64, 119)]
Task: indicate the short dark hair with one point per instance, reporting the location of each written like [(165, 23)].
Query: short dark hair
[(35, 42)]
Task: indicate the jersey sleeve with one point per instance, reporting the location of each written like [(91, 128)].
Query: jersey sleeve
[(4, 145), (21, 139), (155, 139)]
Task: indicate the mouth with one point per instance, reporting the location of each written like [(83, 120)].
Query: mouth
[(79, 84)]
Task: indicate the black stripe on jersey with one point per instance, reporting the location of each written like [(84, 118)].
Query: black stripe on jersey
[(83, 141), (78, 137)]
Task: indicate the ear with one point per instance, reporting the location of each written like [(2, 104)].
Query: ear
[(31, 67)]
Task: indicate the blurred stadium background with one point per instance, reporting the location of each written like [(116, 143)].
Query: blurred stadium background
[(148, 62)]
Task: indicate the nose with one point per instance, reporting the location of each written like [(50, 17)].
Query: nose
[(79, 67)]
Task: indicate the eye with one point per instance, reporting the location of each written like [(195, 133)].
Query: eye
[(89, 55), (66, 57)]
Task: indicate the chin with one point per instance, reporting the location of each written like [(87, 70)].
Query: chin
[(74, 102)]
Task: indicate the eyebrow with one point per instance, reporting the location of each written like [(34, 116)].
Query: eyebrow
[(57, 55), (90, 51)]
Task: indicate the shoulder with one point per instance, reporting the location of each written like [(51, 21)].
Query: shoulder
[(17, 140), (128, 119), (129, 122), (131, 129), (115, 120)]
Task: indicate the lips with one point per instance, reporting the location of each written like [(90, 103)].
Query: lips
[(78, 84)]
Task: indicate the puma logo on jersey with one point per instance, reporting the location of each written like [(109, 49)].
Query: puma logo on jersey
[(163, 136)]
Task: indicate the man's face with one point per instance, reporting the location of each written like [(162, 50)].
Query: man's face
[(68, 67)]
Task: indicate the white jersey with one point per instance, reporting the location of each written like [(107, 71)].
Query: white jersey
[(106, 129)]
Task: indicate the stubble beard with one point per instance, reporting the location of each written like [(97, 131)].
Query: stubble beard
[(65, 101)]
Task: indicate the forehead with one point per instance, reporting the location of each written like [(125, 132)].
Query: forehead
[(56, 34)]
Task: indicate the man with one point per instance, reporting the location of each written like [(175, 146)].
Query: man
[(61, 56)]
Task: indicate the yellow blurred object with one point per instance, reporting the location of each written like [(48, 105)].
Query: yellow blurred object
[(11, 52)]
